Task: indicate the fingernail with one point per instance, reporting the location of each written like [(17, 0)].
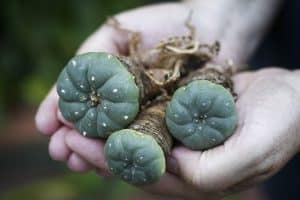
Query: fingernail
[(172, 165)]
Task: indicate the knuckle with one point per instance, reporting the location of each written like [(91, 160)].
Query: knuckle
[(57, 148), (264, 162), (271, 71), (54, 154), (77, 164)]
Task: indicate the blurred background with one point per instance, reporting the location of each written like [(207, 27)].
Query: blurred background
[(37, 39)]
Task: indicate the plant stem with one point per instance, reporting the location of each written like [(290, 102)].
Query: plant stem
[(151, 121), (153, 81)]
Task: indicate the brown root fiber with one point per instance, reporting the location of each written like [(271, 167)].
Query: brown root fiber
[(177, 51), (180, 51), (160, 68), (151, 83), (151, 121)]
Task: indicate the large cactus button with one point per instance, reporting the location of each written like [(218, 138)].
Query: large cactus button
[(201, 115), (98, 94)]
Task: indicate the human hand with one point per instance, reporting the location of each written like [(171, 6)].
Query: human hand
[(266, 138), (154, 23)]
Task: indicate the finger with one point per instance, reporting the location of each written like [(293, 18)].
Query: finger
[(63, 120), (172, 165), (103, 173), (106, 39), (150, 18), (241, 81), (78, 164), (92, 150), (58, 149), (246, 184), (219, 168), (271, 71), (244, 79), (171, 186), (168, 185), (46, 119)]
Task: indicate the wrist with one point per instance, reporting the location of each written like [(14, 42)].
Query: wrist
[(240, 25)]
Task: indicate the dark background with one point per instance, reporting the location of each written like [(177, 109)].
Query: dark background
[(37, 37), (281, 47)]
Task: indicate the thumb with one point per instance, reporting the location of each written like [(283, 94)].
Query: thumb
[(107, 39), (222, 167)]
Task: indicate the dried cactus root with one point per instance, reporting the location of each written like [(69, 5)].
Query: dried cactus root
[(151, 82), (137, 155), (185, 52), (151, 122), (101, 93), (202, 113)]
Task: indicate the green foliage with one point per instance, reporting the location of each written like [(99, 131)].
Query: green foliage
[(33, 89), (71, 187), (39, 36)]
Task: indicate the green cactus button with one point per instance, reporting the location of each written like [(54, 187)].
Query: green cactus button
[(201, 115), (134, 157), (98, 94)]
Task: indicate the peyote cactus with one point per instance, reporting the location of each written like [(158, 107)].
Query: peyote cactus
[(137, 154), (98, 94), (102, 94), (134, 157), (202, 114)]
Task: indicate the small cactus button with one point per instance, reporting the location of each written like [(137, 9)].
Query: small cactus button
[(134, 157)]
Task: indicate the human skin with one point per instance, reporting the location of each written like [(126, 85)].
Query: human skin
[(268, 108)]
